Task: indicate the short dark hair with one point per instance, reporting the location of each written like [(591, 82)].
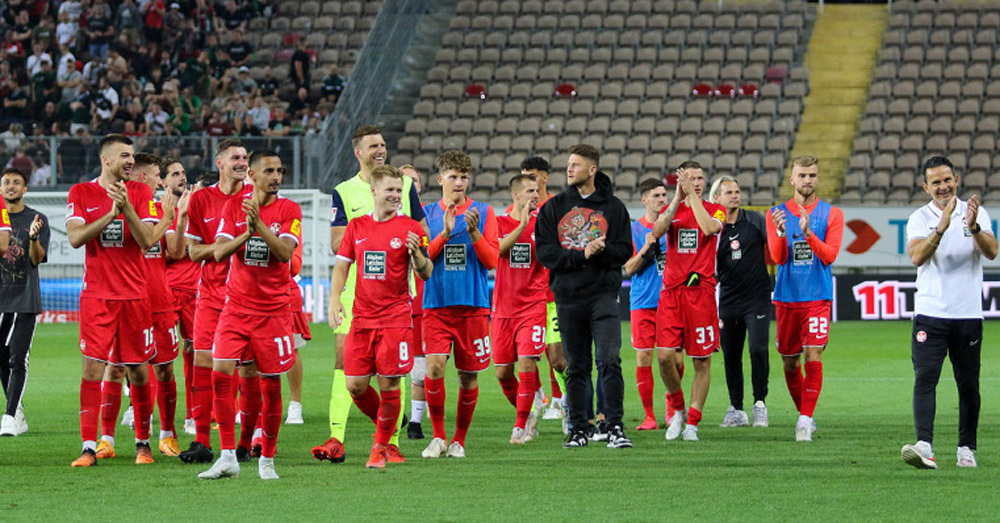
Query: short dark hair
[(587, 151), (361, 132), (518, 180), (535, 163), (227, 144), (690, 164), (15, 172), (166, 162), (452, 159), (146, 159), (649, 184), (208, 178), (113, 139), (259, 154), (937, 161)]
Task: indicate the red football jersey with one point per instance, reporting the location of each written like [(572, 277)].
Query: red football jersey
[(114, 268), (382, 292), (182, 273), (258, 282), (4, 217), (160, 297), (521, 282), (204, 213), (418, 298), (688, 249)]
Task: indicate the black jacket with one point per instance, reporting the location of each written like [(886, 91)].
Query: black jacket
[(566, 223)]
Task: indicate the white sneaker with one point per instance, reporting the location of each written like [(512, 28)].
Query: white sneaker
[(729, 420), (690, 433), (676, 425), (540, 399), (436, 447), (804, 429), (189, 427), (760, 415), (129, 417), (224, 467), (565, 416), (554, 411), (966, 458), (265, 468), (294, 413), (517, 436), (456, 450), (920, 455), (22, 425), (8, 426), (531, 426)]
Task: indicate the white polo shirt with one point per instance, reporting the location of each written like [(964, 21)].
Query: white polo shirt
[(950, 282)]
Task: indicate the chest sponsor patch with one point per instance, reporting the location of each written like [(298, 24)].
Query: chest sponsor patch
[(113, 235), (801, 253), (687, 241), (520, 256), (454, 257), (256, 253), (661, 262), (373, 267), (155, 251)]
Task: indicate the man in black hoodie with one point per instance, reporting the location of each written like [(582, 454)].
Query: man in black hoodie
[(583, 238)]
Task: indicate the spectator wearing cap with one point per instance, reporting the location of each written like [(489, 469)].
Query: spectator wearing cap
[(244, 85), (66, 29), (128, 20), (173, 26), (333, 84)]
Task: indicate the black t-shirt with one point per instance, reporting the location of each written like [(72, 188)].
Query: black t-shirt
[(742, 272), (302, 57), (16, 95), (19, 284), (268, 86), (98, 24), (238, 51), (233, 19)]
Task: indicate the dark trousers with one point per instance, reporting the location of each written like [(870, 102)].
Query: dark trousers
[(753, 325), (582, 324), (16, 331), (598, 389), (931, 341)]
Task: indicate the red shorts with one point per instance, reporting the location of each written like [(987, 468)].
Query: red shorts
[(265, 340), (206, 321), (417, 336), (184, 302), (688, 318), (385, 352), (643, 329), (119, 332), (300, 326), (519, 337), (165, 336), (470, 335), (805, 324)]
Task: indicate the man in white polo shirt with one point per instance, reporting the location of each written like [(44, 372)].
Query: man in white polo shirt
[(947, 240)]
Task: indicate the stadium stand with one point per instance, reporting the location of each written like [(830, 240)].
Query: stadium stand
[(934, 91), (650, 84)]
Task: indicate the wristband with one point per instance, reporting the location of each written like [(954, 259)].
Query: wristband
[(977, 230), (33, 238)]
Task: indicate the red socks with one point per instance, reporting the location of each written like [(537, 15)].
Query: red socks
[(435, 405), (510, 388), (467, 399), (812, 384), (694, 416), (556, 391), (676, 400), (525, 397), (388, 413), (368, 403), (794, 381), (201, 390), (271, 386), (188, 380), (142, 405), (250, 404), (90, 408), (166, 400), (225, 414), (111, 404), (644, 381)]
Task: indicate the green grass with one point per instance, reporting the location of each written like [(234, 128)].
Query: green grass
[(851, 471)]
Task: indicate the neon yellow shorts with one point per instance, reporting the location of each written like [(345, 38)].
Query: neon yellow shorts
[(552, 329)]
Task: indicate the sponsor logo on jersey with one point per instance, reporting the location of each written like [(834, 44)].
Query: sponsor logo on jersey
[(374, 265), (256, 253), (802, 254), (687, 241), (520, 256), (155, 251), (454, 257), (113, 235)]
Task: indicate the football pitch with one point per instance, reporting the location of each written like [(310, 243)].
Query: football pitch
[(851, 470)]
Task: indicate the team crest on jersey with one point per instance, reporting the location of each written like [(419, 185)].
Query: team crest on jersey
[(275, 228), (69, 209), (580, 226), (395, 243), (921, 336)]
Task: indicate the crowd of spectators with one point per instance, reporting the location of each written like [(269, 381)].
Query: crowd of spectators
[(168, 71)]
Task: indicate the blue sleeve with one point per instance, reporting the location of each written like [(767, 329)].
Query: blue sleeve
[(416, 209), (338, 213)]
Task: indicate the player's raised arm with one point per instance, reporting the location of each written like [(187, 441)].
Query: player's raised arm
[(140, 215), (177, 241), (77, 229), (232, 233)]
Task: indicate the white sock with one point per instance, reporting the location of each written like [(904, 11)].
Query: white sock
[(258, 433), (417, 410), (109, 439), (804, 419), (90, 445), (230, 453), (164, 434)]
